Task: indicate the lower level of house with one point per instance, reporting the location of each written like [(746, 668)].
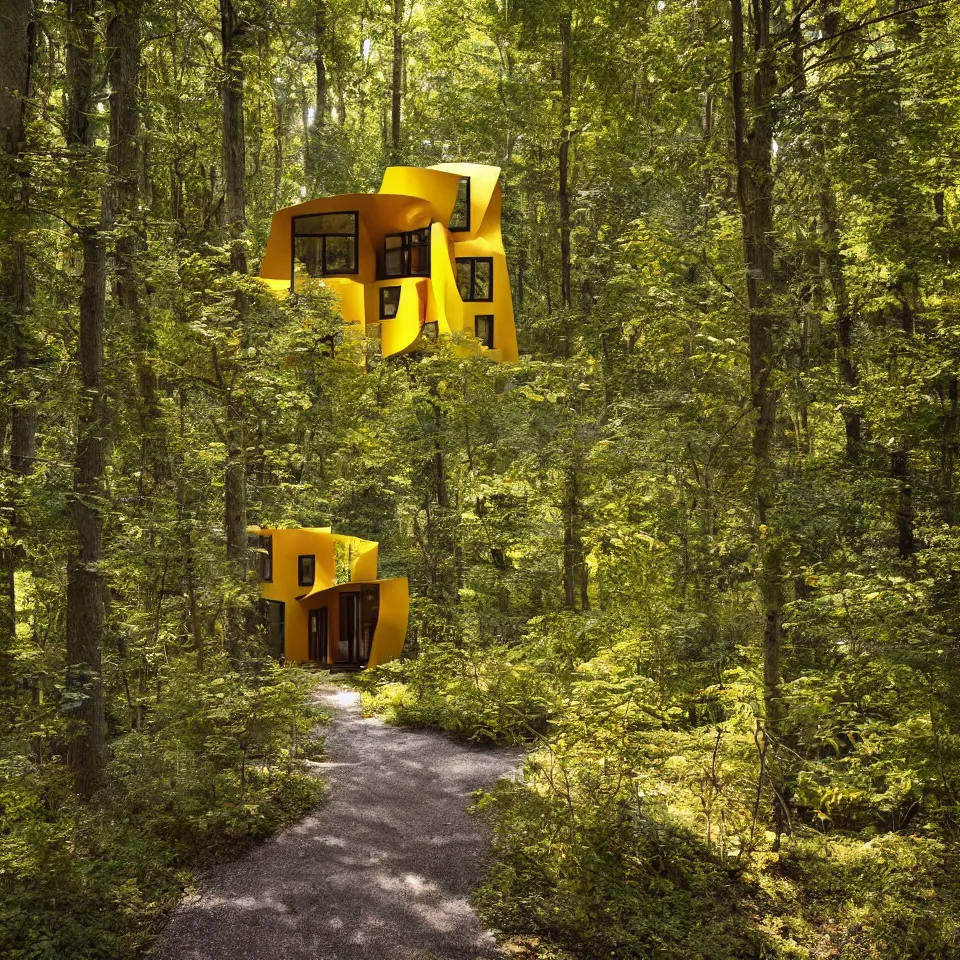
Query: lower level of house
[(354, 624)]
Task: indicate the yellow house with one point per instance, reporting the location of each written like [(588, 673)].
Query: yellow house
[(422, 258), (323, 600)]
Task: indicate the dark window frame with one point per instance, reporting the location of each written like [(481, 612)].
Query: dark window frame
[(383, 292), (266, 557), (323, 246), (486, 341), (301, 581), (466, 227), (431, 331), (406, 248), (473, 261)]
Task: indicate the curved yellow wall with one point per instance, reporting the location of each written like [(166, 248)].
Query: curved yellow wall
[(412, 198), (321, 543), (392, 625)]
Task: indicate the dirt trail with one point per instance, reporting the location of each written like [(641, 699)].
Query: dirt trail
[(382, 871)]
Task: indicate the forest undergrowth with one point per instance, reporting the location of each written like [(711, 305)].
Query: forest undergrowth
[(697, 549)]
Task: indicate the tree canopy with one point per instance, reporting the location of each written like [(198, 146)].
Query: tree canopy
[(697, 548)]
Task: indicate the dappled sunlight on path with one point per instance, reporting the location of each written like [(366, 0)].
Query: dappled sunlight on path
[(382, 871)]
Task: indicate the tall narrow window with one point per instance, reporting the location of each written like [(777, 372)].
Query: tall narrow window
[(484, 329), (389, 302), (407, 254), (460, 218), (475, 278), (325, 244), (266, 559), (306, 569)]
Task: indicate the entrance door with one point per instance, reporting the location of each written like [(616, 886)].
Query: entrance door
[(370, 615), (276, 627), (348, 647), (317, 634)]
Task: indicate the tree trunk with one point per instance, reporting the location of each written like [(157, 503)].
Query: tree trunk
[(948, 450), (234, 145), (15, 78), (234, 172), (123, 41), (574, 567), (753, 144), (396, 89), (320, 63), (849, 375), (900, 472), (564, 187), (86, 754)]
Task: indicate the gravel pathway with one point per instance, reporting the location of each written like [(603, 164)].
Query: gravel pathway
[(382, 871)]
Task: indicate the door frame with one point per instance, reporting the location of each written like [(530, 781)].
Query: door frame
[(319, 616)]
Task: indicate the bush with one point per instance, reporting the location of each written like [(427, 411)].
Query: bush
[(493, 694), (214, 766)]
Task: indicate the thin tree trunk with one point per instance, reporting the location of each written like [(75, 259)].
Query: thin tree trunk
[(124, 155), (234, 144), (575, 581), (849, 375), (396, 89), (320, 64), (900, 472), (234, 172), (86, 754), (564, 162), (948, 450), (15, 78), (754, 160)]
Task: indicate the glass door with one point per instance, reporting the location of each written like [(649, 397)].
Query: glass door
[(349, 640), (317, 635)]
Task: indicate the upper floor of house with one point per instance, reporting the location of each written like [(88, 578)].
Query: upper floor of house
[(421, 258)]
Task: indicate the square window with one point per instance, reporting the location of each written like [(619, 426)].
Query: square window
[(324, 243), (389, 302), (407, 254), (431, 331), (483, 325), (306, 570), (475, 278)]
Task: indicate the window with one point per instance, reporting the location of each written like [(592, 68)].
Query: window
[(389, 302), (431, 331), (475, 278), (460, 218), (325, 244), (484, 329), (266, 558), (306, 570), (407, 254)]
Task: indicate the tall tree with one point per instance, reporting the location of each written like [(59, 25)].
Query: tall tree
[(233, 31), (566, 135), (85, 591), (16, 17), (754, 89), (396, 80)]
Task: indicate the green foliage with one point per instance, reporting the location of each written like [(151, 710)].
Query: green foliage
[(213, 767), (580, 529), (489, 693)]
